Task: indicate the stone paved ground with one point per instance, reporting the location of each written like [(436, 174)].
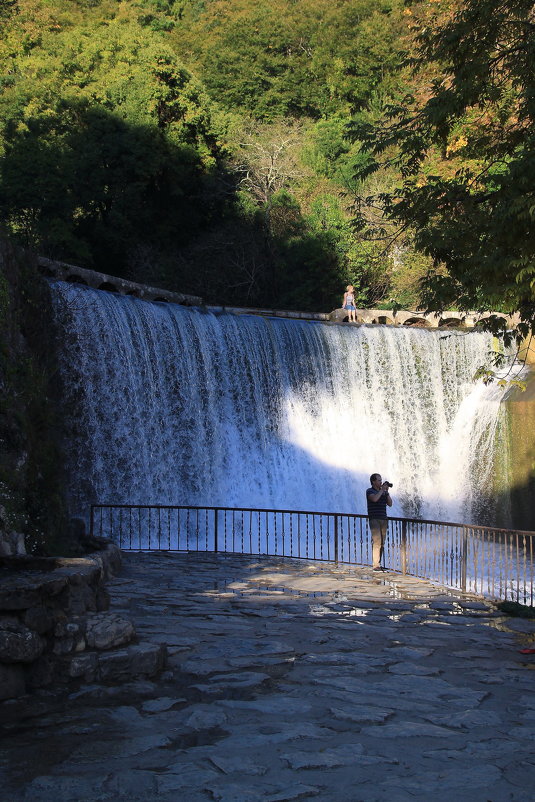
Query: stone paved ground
[(289, 680)]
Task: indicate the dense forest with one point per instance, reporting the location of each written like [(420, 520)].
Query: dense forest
[(270, 153)]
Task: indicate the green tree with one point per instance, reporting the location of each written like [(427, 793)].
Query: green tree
[(108, 144), (464, 148), (283, 58)]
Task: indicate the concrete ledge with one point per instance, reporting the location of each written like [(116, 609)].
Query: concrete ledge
[(288, 313), (418, 319), (62, 271)]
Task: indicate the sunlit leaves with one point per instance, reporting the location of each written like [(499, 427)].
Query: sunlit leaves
[(466, 149)]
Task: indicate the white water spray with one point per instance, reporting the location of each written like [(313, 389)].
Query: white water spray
[(170, 405)]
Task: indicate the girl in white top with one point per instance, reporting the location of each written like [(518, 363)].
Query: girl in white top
[(349, 303)]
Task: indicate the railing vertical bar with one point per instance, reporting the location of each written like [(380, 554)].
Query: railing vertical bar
[(403, 549), (493, 563), (464, 557), (169, 529), (517, 573), (336, 535), (531, 570)]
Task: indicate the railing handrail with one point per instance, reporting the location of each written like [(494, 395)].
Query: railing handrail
[(312, 512)]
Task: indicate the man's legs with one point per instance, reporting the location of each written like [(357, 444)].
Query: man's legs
[(378, 529)]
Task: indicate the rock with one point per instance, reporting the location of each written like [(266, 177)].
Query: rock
[(132, 782), (362, 714), (184, 775), (237, 792), (83, 665), (338, 315), (43, 672), (327, 759), (277, 705), (145, 659), (12, 544), (102, 599), (414, 669), (81, 597), (231, 764), (18, 644), (18, 597), (63, 789), (161, 704), (406, 729), (203, 718), (108, 631), (467, 719), (63, 646), (12, 682), (39, 618)]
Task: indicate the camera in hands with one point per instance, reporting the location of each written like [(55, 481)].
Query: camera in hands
[(388, 484)]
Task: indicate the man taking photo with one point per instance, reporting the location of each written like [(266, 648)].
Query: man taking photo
[(378, 497)]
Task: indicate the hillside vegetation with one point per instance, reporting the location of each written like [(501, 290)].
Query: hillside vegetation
[(271, 153)]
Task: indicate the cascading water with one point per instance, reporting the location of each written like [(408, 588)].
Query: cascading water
[(171, 405)]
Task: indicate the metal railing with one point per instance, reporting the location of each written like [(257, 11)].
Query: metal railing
[(496, 563)]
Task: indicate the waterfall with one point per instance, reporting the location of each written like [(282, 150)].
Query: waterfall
[(171, 405)]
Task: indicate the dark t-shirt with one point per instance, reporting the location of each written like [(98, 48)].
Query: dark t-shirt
[(376, 509)]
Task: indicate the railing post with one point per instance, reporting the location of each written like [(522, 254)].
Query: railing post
[(92, 521), (216, 546), (464, 559), (404, 547), (336, 538)]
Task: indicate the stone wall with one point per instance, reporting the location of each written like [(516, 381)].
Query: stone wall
[(54, 626)]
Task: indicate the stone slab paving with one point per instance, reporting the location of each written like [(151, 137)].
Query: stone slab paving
[(289, 680)]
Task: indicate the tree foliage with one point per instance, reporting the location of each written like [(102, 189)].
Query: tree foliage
[(306, 59), (203, 145), (462, 143), (108, 143)]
